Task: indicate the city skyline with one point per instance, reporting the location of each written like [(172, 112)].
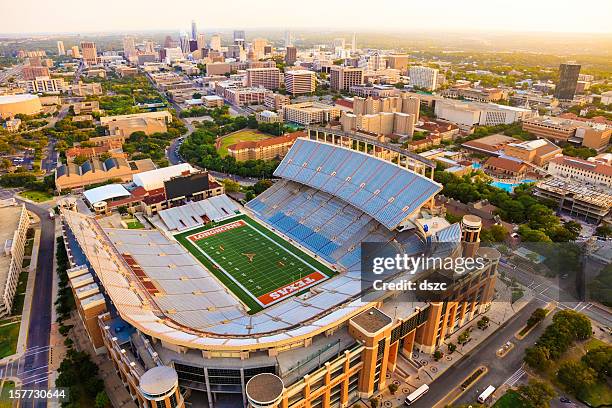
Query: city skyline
[(117, 16)]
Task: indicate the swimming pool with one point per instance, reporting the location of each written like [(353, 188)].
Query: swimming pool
[(509, 186)]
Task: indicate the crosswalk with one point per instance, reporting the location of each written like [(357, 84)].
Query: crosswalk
[(514, 378)]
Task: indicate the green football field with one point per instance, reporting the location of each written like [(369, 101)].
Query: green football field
[(258, 266)]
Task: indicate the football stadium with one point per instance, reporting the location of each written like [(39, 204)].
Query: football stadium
[(222, 305)]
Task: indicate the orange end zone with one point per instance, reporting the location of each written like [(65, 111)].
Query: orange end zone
[(292, 288), (216, 230)]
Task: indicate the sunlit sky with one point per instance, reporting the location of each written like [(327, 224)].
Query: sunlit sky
[(81, 16)]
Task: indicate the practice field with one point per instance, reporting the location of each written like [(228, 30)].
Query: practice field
[(244, 135), (258, 266)]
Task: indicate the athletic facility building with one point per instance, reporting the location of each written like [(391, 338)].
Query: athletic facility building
[(263, 305)]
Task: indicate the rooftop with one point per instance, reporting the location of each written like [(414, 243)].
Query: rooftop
[(372, 320), (16, 98)]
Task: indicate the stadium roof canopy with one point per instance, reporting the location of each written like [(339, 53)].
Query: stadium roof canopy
[(385, 191), (154, 179), (104, 193)]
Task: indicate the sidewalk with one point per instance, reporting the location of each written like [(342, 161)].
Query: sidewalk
[(22, 340), (500, 311)]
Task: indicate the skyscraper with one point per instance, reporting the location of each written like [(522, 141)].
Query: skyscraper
[(568, 79), (215, 42), (288, 39), (201, 41), (239, 35), (129, 47), (60, 48), (290, 55), (194, 30), (184, 42), (149, 46), (90, 54)]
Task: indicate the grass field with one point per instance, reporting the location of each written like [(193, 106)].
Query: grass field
[(245, 135), (9, 333), (5, 401), (259, 267), (510, 399), (36, 196)]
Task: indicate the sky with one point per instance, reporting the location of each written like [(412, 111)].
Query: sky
[(83, 16)]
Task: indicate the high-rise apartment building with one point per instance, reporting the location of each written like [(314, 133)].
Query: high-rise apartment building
[(258, 46), (90, 54), (568, 79), (268, 78), (342, 78), (75, 51), (129, 47), (60, 48), (424, 77), (201, 40), (300, 82), (398, 61), (149, 47), (215, 42), (290, 55)]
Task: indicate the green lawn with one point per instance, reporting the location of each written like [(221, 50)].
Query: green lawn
[(510, 399), (253, 262), (245, 135), (9, 333), (134, 224), (20, 294), (36, 196), (5, 402)]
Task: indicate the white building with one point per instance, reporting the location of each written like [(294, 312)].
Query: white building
[(424, 77), (606, 98), (174, 54), (300, 82), (468, 114), (587, 172), (44, 85)]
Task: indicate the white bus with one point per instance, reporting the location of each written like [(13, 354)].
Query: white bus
[(486, 394), (418, 393)]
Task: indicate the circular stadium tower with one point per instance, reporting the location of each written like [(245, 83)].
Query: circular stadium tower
[(160, 384), (264, 390)]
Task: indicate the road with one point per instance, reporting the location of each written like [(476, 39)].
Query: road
[(11, 72), (548, 290), (32, 367), (485, 354)]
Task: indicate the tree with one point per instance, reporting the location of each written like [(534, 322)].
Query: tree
[(604, 231), (536, 316), (483, 323), (261, 186), (537, 393), (437, 355), (230, 186), (537, 357), (374, 402), (463, 337), (575, 376), (452, 347), (393, 388), (600, 360), (80, 159), (197, 95), (102, 400)]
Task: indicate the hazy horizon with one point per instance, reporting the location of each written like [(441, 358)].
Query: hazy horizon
[(114, 16)]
